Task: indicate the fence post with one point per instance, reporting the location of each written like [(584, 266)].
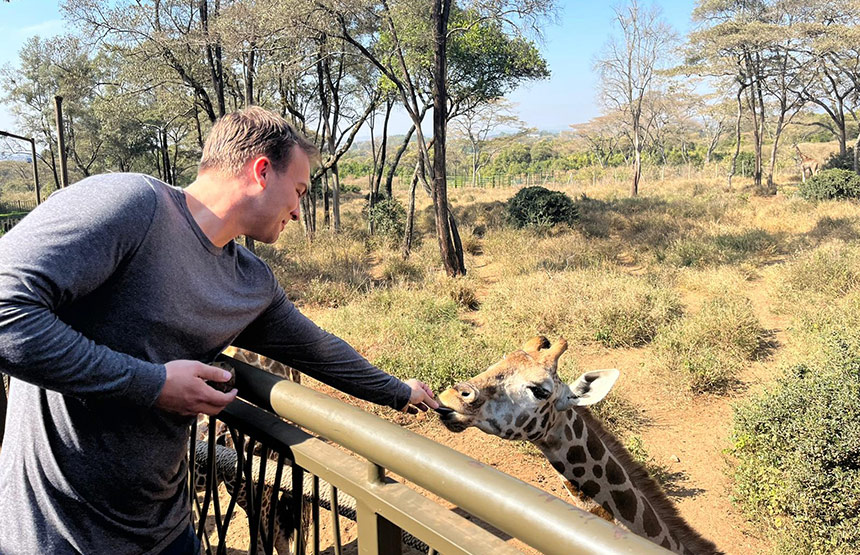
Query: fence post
[(376, 535), (61, 141), (35, 171)]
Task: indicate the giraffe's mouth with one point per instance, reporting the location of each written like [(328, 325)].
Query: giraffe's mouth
[(451, 419)]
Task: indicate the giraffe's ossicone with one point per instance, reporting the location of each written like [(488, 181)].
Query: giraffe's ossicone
[(522, 397)]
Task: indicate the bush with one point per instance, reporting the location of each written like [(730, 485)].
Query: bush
[(707, 349), (538, 206), (840, 161), (388, 218), (831, 184), (798, 451)]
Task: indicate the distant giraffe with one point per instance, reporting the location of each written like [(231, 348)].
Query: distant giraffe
[(807, 163), (522, 398)]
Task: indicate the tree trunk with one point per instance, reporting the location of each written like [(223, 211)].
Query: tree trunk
[(410, 213), (857, 154), (326, 207), (761, 132), (383, 151), (771, 188), (213, 57), (451, 259), (389, 179), (734, 164), (335, 197), (637, 164)]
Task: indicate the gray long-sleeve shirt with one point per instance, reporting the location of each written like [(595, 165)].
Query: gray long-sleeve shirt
[(100, 286)]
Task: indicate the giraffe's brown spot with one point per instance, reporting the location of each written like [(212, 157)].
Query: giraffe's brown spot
[(614, 473), (595, 447), (535, 435), (568, 433), (521, 419), (650, 523), (558, 466), (666, 543), (509, 418), (597, 471), (579, 471), (590, 488), (626, 503), (576, 454), (531, 425), (544, 420), (577, 427)]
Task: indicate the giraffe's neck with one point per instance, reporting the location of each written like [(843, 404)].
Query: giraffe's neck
[(599, 468)]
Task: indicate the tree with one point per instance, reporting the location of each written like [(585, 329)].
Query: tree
[(478, 124), (629, 68), (603, 136), (730, 46), (57, 66), (399, 51)]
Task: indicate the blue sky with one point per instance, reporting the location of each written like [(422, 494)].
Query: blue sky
[(570, 47)]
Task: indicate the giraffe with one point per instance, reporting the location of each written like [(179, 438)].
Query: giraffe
[(226, 465), (522, 398), (806, 164), (225, 472), (264, 363)]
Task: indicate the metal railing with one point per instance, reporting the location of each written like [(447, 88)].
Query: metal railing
[(387, 512)]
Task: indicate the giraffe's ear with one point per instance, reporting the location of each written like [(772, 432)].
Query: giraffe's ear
[(588, 389)]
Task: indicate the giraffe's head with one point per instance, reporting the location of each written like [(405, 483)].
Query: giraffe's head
[(517, 397)]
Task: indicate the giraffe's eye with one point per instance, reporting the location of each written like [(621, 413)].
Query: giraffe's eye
[(539, 392)]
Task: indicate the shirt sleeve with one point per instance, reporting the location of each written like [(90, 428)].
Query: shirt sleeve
[(283, 333), (64, 250)]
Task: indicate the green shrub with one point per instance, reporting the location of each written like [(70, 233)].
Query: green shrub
[(840, 161), (707, 349), (798, 451), (831, 184), (538, 206), (388, 218)]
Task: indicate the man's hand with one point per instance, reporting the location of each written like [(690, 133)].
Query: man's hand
[(186, 392), (421, 398)]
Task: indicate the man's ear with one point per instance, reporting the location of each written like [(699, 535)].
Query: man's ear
[(588, 389), (260, 168)]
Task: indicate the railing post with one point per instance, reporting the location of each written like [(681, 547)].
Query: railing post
[(376, 535), (61, 141), (35, 172)]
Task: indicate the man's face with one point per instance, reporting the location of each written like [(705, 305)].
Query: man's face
[(281, 197)]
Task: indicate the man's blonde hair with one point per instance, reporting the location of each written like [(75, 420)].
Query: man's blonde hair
[(240, 136)]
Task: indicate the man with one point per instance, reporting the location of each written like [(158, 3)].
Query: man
[(112, 292)]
